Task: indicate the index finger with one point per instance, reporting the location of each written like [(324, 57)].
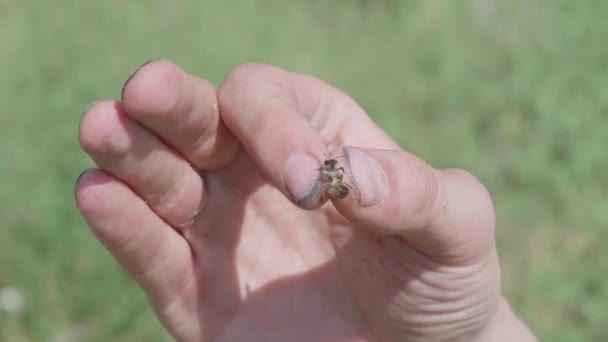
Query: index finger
[(289, 122), (259, 106)]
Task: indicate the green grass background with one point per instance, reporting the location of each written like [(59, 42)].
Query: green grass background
[(515, 91)]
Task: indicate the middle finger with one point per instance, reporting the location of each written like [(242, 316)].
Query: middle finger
[(182, 110)]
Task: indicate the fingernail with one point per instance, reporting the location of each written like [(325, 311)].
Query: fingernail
[(300, 174), (81, 174), (122, 91), (367, 177)]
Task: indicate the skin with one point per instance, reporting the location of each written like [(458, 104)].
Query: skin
[(196, 196)]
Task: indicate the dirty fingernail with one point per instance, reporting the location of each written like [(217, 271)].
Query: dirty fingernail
[(367, 176), (124, 86), (300, 174), (81, 174)]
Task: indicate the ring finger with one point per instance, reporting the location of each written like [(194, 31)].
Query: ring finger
[(131, 153)]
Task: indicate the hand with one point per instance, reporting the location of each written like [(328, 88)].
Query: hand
[(211, 200)]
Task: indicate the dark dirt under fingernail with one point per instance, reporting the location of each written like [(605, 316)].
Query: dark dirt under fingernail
[(80, 176), (300, 174), (122, 91)]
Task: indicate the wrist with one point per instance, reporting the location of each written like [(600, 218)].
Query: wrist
[(506, 326)]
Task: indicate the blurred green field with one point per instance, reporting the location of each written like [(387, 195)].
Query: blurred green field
[(515, 91)]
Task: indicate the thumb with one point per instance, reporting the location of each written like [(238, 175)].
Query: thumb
[(446, 214)]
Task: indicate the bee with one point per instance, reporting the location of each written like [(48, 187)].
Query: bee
[(332, 178)]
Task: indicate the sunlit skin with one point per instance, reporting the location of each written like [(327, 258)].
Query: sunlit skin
[(210, 199)]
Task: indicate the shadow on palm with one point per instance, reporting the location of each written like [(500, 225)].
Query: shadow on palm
[(273, 271)]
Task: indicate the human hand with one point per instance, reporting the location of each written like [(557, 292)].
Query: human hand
[(217, 213)]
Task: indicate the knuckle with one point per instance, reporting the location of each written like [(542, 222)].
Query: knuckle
[(243, 72), (477, 193), (473, 183), (148, 263), (243, 78), (464, 175), (177, 202)]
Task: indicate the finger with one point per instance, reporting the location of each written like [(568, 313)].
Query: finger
[(446, 214), (150, 251), (259, 106), (182, 110), (161, 177)]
